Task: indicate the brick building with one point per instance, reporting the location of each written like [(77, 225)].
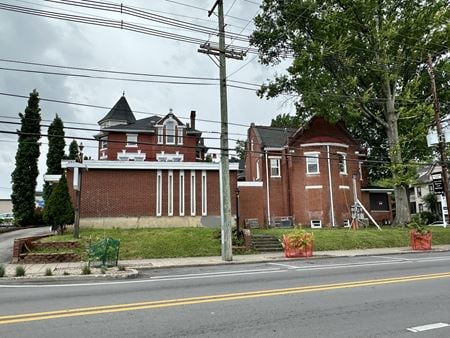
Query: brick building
[(150, 172), (307, 176)]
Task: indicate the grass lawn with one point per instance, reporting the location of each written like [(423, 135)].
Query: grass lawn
[(153, 243), (345, 239), (190, 242)]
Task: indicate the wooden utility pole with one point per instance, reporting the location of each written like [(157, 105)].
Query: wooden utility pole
[(441, 140), (206, 48)]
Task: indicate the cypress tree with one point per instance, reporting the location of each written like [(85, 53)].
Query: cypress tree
[(26, 170), (56, 145), (73, 150), (58, 210)]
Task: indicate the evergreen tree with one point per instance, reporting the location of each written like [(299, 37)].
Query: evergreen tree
[(56, 145), (58, 211), (26, 170), (73, 150)]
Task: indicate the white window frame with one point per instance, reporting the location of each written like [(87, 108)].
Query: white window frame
[(170, 193), (342, 156), (193, 203), (160, 131), (258, 173), (204, 194), (159, 193), (316, 224), (181, 193), (309, 156), (174, 135), (360, 170), (132, 140), (103, 143), (180, 134), (277, 161)]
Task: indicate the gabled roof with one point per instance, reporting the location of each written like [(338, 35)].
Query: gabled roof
[(147, 124), (273, 137), (120, 112)]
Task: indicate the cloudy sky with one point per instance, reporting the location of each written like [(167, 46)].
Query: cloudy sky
[(38, 39)]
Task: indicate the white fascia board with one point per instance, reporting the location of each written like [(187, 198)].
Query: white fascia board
[(52, 178), (377, 190), (105, 164), (274, 148), (332, 144), (250, 184)]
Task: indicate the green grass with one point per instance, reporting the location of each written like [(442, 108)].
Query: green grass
[(154, 242), (344, 239)]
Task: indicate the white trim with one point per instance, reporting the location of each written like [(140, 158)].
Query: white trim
[(130, 143), (160, 132), (193, 186), (171, 120), (324, 144), (278, 167), (273, 148), (159, 193), (267, 189), (258, 171), (344, 155), (307, 187), (377, 190), (330, 188), (108, 164), (181, 193), (312, 155), (316, 226), (204, 194), (249, 184), (344, 187), (126, 156), (52, 178), (180, 134), (163, 157), (275, 157), (170, 193)]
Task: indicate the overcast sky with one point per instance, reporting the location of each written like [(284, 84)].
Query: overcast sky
[(43, 40)]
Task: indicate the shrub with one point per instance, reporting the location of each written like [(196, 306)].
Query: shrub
[(103, 270), (121, 267), (428, 217), (298, 238), (65, 273), (2, 270), (58, 211), (48, 272), (20, 271), (86, 270)]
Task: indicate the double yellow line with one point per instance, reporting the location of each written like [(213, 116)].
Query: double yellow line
[(87, 311)]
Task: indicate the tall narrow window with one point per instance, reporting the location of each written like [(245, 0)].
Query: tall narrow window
[(160, 135), (180, 135), (312, 163), (132, 140), (181, 193), (104, 143), (193, 187), (275, 167), (258, 174), (342, 160), (170, 193), (170, 132), (204, 195), (159, 193), (360, 171)]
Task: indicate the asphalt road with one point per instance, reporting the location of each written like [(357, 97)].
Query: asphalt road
[(7, 241), (385, 296)]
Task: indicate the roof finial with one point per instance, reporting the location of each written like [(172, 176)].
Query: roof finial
[(170, 111), (123, 93)]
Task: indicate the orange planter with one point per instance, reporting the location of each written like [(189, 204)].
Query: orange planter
[(420, 241), (295, 252)]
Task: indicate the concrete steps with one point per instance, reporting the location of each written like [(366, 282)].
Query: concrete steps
[(266, 243)]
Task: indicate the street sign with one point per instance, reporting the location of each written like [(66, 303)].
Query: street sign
[(438, 185)]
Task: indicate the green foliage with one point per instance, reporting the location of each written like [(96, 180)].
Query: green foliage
[(431, 202), (240, 149), (428, 217), (74, 151), (417, 224), (58, 210), (48, 272), (298, 238), (286, 121), (2, 270), (26, 170), (86, 270), (56, 145), (20, 271)]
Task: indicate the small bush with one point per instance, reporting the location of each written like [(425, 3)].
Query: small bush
[(86, 270), (103, 270), (121, 267), (2, 270), (49, 272), (20, 271)]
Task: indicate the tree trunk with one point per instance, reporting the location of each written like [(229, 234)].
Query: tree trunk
[(402, 212)]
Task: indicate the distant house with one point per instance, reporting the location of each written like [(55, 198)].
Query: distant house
[(151, 172), (307, 176)]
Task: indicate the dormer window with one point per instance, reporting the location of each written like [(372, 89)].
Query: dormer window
[(132, 140), (170, 131)]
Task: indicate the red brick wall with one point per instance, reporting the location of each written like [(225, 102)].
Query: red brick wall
[(252, 204)]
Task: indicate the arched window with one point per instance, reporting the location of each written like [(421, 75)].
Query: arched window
[(170, 132)]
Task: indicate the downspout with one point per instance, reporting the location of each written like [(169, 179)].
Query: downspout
[(267, 189), (288, 173), (333, 223)]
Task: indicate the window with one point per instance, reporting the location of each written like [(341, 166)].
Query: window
[(316, 224), (420, 207), (275, 167), (342, 158), (132, 140), (257, 170), (181, 193), (379, 202), (419, 191), (360, 171), (430, 188), (204, 195), (193, 202), (312, 163), (159, 193), (170, 132), (170, 193), (160, 135), (180, 135), (104, 143)]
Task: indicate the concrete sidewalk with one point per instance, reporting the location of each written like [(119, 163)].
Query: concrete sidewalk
[(74, 269)]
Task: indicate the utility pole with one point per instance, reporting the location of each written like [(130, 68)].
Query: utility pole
[(441, 141), (206, 48)]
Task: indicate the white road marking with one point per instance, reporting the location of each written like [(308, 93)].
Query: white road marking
[(215, 273), (393, 258), (427, 327), (285, 265)]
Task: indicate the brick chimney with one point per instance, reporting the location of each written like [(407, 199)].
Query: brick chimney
[(193, 119)]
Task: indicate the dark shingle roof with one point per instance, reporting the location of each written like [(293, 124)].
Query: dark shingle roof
[(146, 124), (120, 112), (274, 137)]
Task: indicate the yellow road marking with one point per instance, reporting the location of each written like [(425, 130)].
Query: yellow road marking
[(27, 317)]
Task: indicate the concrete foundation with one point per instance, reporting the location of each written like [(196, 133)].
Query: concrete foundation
[(148, 222)]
